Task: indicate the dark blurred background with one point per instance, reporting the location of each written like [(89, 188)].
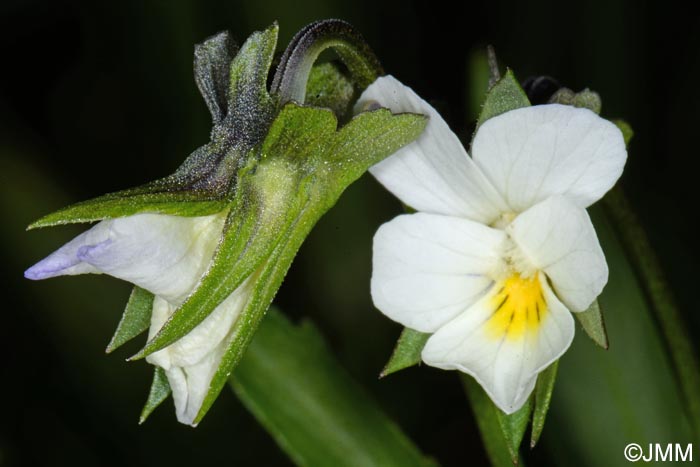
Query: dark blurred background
[(99, 96)]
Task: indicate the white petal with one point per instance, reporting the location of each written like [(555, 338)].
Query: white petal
[(558, 238), (192, 361), (428, 268), (434, 173), (65, 261), (505, 365), (190, 385), (206, 336), (532, 153), (163, 254)]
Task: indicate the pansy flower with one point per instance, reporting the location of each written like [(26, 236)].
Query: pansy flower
[(501, 248)]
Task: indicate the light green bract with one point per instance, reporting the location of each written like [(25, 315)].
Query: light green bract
[(273, 167)]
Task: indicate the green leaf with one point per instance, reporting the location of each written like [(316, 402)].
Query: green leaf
[(135, 320), (160, 390), (660, 299), (543, 397), (626, 129), (513, 427), (592, 322), (329, 87), (313, 409), (488, 419), (406, 352), (504, 96)]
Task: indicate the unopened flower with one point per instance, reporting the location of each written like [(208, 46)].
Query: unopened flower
[(501, 248), (167, 256), (212, 242)]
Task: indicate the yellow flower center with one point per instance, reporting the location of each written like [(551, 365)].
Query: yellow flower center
[(518, 307)]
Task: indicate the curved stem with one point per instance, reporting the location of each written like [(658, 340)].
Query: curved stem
[(295, 66)]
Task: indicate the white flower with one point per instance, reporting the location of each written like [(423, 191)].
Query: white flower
[(166, 255), (501, 248)]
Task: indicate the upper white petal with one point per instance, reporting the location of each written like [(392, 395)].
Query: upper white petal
[(532, 153), (428, 268), (434, 173), (558, 238), (166, 255), (506, 368)]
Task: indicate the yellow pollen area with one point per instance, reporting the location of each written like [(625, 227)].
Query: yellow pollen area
[(518, 307)]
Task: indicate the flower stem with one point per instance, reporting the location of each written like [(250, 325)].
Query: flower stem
[(658, 293), (294, 68)]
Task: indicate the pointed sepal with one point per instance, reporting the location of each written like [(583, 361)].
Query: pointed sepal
[(212, 66), (160, 390), (542, 400), (505, 95), (513, 427), (592, 322), (135, 320), (406, 352)]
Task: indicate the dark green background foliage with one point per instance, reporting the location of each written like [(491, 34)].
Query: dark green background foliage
[(96, 97)]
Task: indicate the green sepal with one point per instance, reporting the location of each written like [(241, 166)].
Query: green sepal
[(626, 129), (542, 399), (129, 202), (212, 71), (202, 184), (324, 417), (251, 107), (513, 427), (135, 320), (505, 95), (160, 390), (489, 424), (329, 87), (592, 322), (407, 351), (585, 99)]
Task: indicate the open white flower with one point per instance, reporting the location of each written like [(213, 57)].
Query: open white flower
[(501, 248), (166, 255)]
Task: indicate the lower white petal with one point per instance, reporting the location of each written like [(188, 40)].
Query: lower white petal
[(190, 385), (558, 237), (427, 268), (163, 254), (505, 339), (191, 362)]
